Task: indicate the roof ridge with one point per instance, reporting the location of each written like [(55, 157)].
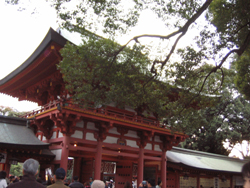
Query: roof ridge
[(202, 153)]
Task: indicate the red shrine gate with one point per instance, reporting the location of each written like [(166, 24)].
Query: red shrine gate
[(124, 173), (91, 135)]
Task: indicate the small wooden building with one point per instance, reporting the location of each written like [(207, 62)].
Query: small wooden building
[(188, 168), (18, 142)]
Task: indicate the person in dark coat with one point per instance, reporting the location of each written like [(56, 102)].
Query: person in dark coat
[(16, 179), (245, 173), (30, 170), (86, 185), (151, 183), (59, 176), (127, 185), (76, 183), (11, 178)]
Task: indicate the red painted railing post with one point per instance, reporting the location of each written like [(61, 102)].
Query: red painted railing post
[(123, 116)]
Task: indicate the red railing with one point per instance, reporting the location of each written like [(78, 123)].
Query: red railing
[(103, 111), (44, 108)]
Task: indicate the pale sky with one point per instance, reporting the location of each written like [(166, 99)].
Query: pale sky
[(20, 34), (23, 31)]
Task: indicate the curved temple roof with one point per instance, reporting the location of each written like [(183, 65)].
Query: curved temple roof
[(15, 134), (204, 160), (51, 36)]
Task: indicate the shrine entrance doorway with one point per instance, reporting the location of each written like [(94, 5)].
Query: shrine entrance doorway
[(124, 173)]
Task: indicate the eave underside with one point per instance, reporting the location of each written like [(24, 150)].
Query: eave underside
[(43, 67), (52, 37)]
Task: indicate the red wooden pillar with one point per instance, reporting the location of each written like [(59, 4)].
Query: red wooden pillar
[(166, 145), (177, 179), (198, 181), (231, 181), (164, 169), (2, 166), (43, 166), (77, 166), (140, 166), (65, 153), (7, 166), (98, 160)]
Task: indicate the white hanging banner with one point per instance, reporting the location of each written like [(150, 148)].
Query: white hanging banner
[(3, 157), (216, 182)]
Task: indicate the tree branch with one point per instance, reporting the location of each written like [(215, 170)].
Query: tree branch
[(246, 42), (172, 50), (182, 30)]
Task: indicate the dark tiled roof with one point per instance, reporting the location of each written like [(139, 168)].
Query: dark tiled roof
[(47, 152), (15, 134)]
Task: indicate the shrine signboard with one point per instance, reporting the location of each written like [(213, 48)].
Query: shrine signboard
[(3, 157)]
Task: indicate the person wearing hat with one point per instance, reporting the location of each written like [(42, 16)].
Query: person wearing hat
[(59, 176), (30, 170), (143, 184), (110, 184)]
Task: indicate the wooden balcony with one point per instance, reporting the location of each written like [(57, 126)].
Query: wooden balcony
[(126, 116)]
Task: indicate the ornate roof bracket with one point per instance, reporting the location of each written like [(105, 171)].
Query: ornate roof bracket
[(66, 122), (45, 126), (169, 141), (56, 52), (145, 137), (103, 129), (122, 131)]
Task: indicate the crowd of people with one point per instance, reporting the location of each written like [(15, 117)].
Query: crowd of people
[(31, 179), (30, 171)]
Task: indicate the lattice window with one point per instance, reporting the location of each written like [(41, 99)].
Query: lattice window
[(135, 169), (108, 167), (70, 164), (70, 168)]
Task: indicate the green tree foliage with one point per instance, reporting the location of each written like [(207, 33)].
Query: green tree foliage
[(225, 123), (16, 170), (232, 19), (242, 78), (8, 111), (174, 82), (190, 72), (128, 81)]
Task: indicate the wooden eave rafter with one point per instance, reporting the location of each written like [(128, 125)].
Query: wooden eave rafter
[(20, 150), (24, 147), (205, 172), (41, 64), (43, 67), (22, 154)]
